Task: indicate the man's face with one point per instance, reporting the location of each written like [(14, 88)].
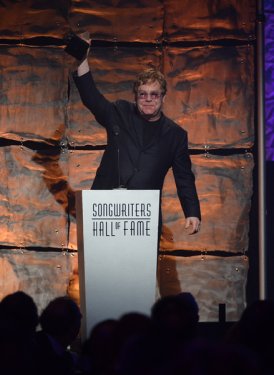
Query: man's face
[(149, 100)]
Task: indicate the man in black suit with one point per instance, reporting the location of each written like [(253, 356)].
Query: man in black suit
[(142, 142)]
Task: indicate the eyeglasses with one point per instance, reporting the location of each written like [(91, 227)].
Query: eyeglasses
[(154, 95)]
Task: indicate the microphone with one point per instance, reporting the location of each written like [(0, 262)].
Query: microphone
[(116, 131)]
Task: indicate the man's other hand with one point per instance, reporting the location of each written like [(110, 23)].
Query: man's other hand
[(193, 224)]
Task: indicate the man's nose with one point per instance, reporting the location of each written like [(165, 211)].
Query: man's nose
[(148, 98)]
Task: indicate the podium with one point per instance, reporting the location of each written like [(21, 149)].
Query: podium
[(117, 235)]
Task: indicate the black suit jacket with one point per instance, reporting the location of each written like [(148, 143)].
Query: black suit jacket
[(127, 161)]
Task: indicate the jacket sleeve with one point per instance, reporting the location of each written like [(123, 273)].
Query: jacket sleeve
[(93, 99), (185, 180)]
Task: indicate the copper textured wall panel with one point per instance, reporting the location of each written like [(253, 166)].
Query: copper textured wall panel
[(211, 94), (114, 20), (32, 18), (130, 21), (44, 276), (224, 186), (38, 195), (212, 280), (209, 20), (33, 92), (36, 199), (82, 167)]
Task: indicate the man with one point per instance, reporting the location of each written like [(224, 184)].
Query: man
[(142, 142)]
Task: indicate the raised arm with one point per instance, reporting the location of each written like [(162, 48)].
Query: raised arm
[(90, 95), (83, 68)]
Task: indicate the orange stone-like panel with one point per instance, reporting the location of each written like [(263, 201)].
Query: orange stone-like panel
[(33, 94), (32, 18), (211, 94), (224, 185), (209, 20), (35, 193), (112, 20), (42, 275), (212, 280)]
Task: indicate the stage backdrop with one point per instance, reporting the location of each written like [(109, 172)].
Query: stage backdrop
[(50, 145), (269, 79)]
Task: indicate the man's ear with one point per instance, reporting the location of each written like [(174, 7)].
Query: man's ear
[(164, 98)]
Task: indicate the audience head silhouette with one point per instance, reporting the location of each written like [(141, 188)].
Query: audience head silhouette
[(20, 308), (18, 321), (164, 343), (176, 315), (61, 319), (255, 331)]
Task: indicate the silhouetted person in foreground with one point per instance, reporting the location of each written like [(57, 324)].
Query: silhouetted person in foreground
[(109, 339), (255, 331), (173, 325), (176, 316), (22, 310), (98, 351), (130, 326), (18, 321), (60, 322), (214, 357)]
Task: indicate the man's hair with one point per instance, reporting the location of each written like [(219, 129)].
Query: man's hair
[(150, 75)]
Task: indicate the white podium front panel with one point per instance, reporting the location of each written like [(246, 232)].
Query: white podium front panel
[(117, 249)]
